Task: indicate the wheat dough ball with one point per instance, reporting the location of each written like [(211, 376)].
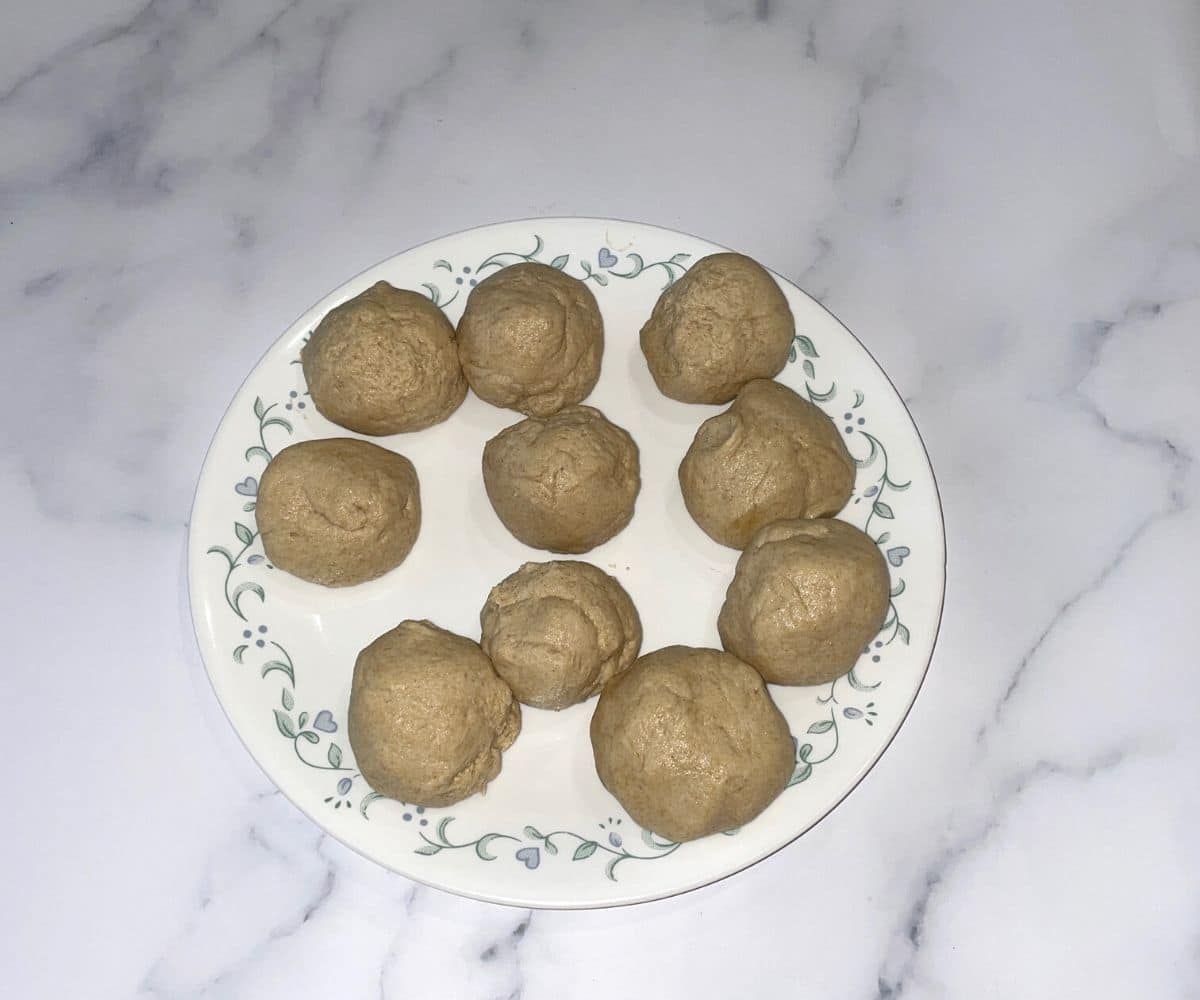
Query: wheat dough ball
[(806, 597), (690, 742), (557, 632), (722, 324), (429, 717), (338, 511), (384, 362), (770, 456), (531, 339), (566, 482)]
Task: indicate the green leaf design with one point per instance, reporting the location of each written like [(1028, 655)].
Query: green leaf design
[(241, 588), (481, 846), (584, 850), (278, 422), (248, 506), (444, 264), (534, 832), (549, 846), (441, 828), (858, 399), (803, 774), (679, 258), (366, 801), (216, 550), (809, 370), (239, 653), (883, 510), (560, 261), (902, 631), (806, 346), (883, 538), (245, 535), (309, 735), (897, 590), (611, 868), (805, 751), (435, 294), (601, 279), (428, 849), (817, 728), (334, 756), (259, 409), (258, 451), (288, 701), (822, 397), (283, 668), (284, 722), (303, 720)]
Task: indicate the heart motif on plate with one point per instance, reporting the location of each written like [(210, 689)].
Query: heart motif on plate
[(606, 257), (530, 856)]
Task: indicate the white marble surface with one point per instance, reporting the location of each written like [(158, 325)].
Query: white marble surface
[(1001, 199)]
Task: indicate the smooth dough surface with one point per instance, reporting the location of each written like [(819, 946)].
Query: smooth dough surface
[(384, 362), (566, 482), (690, 742), (770, 456), (806, 597), (429, 718), (338, 511), (722, 324), (531, 339), (558, 631)]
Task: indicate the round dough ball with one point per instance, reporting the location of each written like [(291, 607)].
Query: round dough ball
[(564, 483), (338, 511), (531, 339), (722, 324), (690, 742), (557, 632), (806, 598), (428, 717), (384, 362), (770, 456)]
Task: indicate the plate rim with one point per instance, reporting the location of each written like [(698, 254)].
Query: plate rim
[(532, 904)]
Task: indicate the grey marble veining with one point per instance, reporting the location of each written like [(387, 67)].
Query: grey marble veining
[(1001, 200)]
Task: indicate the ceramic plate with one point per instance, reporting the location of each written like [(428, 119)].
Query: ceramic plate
[(280, 651)]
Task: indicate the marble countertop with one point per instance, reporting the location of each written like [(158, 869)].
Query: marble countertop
[(1001, 199)]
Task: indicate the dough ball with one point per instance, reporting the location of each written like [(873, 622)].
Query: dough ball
[(384, 362), (806, 598), (338, 511), (429, 717), (722, 324), (690, 742), (770, 456), (557, 632), (564, 483), (531, 339)]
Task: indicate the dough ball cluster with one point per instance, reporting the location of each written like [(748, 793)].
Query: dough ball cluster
[(770, 456), (557, 632), (531, 339), (690, 742), (429, 718), (338, 511), (722, 324), (384, 362), (566, 482)]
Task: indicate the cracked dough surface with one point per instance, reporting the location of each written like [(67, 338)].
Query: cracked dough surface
[(558, 631), (384, 362), (338, 511), (690, 742), (722, 324), (806, 597), (531, 339), (429, 718), (566, 482), (770, 456)]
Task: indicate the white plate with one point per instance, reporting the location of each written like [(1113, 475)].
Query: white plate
[(280, 651)]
